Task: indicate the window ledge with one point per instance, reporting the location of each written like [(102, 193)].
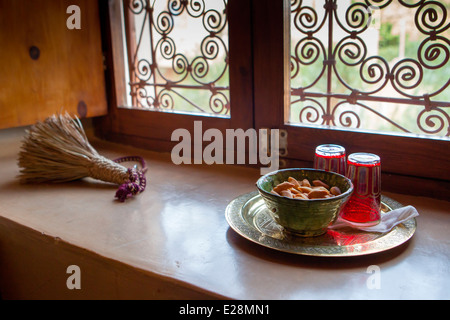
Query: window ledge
[(173, 242)]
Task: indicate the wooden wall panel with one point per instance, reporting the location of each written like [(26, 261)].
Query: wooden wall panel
[(68, 74)]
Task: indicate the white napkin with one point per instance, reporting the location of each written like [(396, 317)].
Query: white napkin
[(388, 220)]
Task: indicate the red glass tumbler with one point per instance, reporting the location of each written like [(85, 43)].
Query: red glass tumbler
[(363, 207), (330, 157)]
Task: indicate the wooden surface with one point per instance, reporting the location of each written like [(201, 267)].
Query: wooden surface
[(173, 241), (67, 75)]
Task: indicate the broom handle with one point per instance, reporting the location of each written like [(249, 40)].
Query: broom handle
[(107, 170)]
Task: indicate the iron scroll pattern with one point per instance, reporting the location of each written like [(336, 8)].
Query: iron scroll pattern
[(404, 77), (177, 88)]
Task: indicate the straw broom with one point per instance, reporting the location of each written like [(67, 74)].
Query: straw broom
[(57, 150)]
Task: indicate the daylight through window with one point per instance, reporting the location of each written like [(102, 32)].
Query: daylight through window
[(178, 55)]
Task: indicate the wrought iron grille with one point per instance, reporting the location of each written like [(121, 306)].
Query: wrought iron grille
[(341, 75), (178, 55)]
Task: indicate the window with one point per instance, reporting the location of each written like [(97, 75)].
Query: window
[(270, 86), (158, 86), (379, 66)]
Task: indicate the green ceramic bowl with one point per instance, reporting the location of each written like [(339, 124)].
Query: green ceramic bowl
[(304, 217)]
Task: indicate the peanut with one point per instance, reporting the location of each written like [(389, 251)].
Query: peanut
[(335, 191), (318, 193), (286, 193), (304, 191), (320, 189), (319, 183), (306, 183), (301, 196), (294, 182), (283, 186)]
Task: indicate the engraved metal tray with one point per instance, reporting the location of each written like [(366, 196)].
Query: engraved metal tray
[(249, 217)]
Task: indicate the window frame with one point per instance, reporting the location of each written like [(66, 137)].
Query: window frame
[(259, 96)]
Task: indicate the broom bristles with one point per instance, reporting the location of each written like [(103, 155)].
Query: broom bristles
[(57, 150)]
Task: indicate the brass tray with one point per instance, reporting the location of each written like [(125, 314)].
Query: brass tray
[(249, 217)]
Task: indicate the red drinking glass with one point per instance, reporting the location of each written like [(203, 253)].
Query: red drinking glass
[(330, 157), (363, 207)]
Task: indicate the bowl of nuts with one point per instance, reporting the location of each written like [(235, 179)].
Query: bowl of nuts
[(304, 201)]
